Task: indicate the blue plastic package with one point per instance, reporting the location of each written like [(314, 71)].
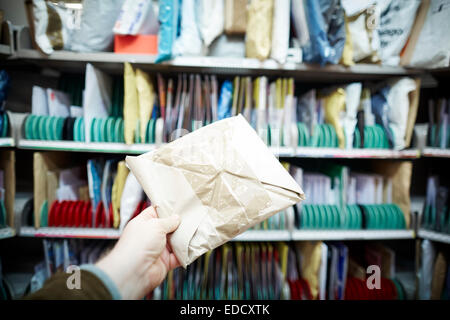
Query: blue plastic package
[(95, 174), (155, 112), (189, 42), (225, 100), (380, 110), (168, 19), (334, 15), (107, 183), (317, 49), (4, 85), (326, 25)]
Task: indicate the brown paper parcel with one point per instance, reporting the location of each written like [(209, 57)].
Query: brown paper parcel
[(220, 179)]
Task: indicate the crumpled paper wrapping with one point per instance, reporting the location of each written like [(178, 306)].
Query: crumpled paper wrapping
[(220, 179)]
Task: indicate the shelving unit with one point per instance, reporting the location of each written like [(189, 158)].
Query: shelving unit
[(64, 60), (434, 236), (436, 153), (6, 142)]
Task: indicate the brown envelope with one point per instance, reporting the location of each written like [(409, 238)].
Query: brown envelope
[(7, 164), (220, 179)]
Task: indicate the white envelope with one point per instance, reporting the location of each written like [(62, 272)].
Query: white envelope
[(39, 105), (58, 103), (323, 273), (76, 111), (71, 176), (69, 192), (97, 97), (220, 179)]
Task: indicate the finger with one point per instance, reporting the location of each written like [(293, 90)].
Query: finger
[(147, 214), (173, 262), (168, 246), (170, 224), (165, 257)]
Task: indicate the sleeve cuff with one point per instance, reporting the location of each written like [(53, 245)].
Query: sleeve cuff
[(107, 281)]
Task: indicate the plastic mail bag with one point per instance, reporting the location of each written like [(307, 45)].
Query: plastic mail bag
[(220, 179)]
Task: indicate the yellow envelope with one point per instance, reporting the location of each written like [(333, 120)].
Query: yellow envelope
[(311, 253), (146, 98), (347, 53), (258, 38), (220, 179), (117, 189), (130, 104), (334, 105)]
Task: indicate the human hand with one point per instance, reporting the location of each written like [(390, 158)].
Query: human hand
[(141, 258)]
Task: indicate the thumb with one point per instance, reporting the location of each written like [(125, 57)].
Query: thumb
[(169, 224)]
